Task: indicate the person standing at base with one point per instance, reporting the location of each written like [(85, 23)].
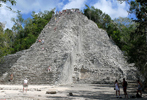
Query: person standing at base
[(139, 89), (25, 84), (117, 88), (125, 87)]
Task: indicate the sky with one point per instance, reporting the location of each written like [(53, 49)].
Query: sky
[(111, 7)]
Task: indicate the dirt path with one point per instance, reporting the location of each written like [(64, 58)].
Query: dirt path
[(80, 92)]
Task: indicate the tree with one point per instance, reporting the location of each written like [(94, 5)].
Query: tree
[(1, 40), (126, 26), (114, 33), (139, 8), (97, 16), (138, 50), (9, 37)]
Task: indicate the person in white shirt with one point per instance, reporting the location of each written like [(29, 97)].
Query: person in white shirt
[(42, 41), (25, 84), (117, 88)]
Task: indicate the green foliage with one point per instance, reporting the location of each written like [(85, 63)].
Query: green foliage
[(114, 33), (126, 26), (138, 50), (97, 16), (2, 45), (137, 38)]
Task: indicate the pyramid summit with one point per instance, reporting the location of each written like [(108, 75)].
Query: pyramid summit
[(70, 49)]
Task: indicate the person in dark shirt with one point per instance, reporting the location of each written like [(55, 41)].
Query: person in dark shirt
[(125, 87), (139, 89)]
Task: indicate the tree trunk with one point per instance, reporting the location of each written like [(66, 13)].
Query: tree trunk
[(146, 34)]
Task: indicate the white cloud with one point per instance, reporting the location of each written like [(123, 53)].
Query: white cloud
[(60, 5), (112, 8), (75, 4), (25, 6), (6, 15)]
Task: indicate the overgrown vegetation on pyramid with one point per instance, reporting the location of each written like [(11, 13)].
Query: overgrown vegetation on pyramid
[(76, 50)]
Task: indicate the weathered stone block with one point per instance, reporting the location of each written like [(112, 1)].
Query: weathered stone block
[(51, 92)]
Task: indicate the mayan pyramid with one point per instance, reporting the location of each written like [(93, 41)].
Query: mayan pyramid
[(76, 50)]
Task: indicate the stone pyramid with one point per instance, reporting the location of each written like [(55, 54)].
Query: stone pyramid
[(77, 52)]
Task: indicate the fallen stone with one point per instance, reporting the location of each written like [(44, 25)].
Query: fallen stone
[(70, 94), (38, 89), (51, 92)]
